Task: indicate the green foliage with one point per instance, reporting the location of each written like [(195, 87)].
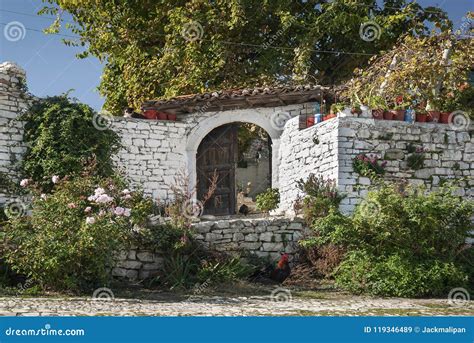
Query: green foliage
[(401, 242), (268, 200), (337, 107), (398, 276), (225, 269), (321, 196), (239, 42), (61, 138), (164, 238), (368, 165), (416, 160), (431, 82), (70, 239)]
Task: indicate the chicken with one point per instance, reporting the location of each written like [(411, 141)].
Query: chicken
[(272, 273), (282, 270), (244, 209)]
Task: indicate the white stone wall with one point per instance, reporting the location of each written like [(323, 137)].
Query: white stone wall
[(263, 237), (449, 154), (311, 150), (328, 149), (153, 154), (12, 101)]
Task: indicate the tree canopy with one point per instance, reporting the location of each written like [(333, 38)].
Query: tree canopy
[(158, 48)]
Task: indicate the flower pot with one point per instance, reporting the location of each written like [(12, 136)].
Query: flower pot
[(377, 114), (433, 116), (150, 114), (330, 116), (444, 117), (356, 111), (309, 121), (398, 115), (171, 116), (162, 116), (388, 115), (421, 117)]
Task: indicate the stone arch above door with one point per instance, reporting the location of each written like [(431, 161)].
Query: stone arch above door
[(263, 117)]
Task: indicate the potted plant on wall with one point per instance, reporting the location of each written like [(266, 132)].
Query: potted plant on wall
[(399, 109), (421, 114), (433, 110), (378, 106)]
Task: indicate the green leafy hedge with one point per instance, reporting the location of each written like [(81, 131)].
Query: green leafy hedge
[(401, 242), (61, 138)]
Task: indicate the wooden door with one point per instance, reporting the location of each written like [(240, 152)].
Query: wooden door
[(218, 153)]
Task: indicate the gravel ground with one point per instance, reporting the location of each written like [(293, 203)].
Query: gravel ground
[(278, 303)]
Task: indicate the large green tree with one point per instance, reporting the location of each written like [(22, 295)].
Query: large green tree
[(161, 48)]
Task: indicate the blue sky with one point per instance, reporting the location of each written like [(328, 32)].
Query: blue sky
[(52, 67)]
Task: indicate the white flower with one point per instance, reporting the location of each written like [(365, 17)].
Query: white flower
[(88, 209), (90, 220), (55, 179), (24, 182), (92, 198), (119, 211), (127, 197), (104, 199), (99, 191), (127, 212), (126, 191), (43, 196)]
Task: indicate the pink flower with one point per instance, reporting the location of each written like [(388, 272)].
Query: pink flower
[(102, 213), (88, 209), (127, 212), (127, 197), (55, 179), (90, 220), (71, 205), (104, 199), (24, 182), (119, 211), (184, 239)]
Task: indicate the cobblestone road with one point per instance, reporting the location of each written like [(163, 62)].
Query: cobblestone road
[(230, 306)]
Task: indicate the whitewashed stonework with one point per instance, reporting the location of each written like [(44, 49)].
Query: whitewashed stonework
[(449, 154), (155, 152), (328, 149), (13, 101)]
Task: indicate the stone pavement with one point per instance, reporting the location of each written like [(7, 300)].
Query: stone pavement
[(231, 306)]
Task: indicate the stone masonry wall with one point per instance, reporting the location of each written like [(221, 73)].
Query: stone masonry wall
[(302, 152), (264, 237), (153, 153), (138, 264), (328, 149), (448, 154), (13, 100)]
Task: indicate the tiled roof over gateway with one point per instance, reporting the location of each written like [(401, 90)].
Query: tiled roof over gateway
[(241, 98)]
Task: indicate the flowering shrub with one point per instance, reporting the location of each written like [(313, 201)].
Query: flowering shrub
[(321, 196), (401, 242), (70, 239), (368, 165)]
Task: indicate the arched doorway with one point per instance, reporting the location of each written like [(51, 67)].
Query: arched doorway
[(237, 157)]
